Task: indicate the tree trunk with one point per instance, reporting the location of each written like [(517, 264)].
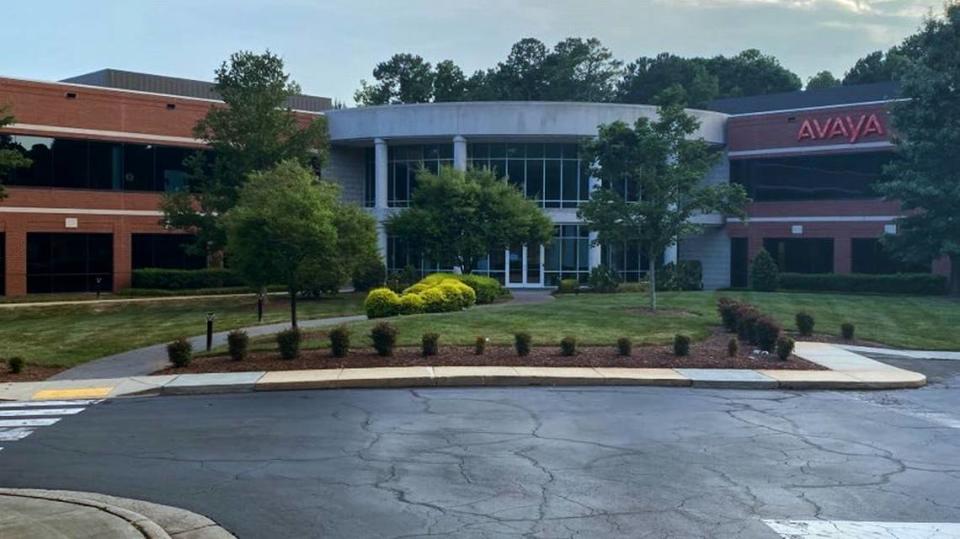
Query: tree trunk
[(293, 307), (653, 281), (955, 275)]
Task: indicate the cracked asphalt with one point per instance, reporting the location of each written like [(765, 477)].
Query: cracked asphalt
[(535, 462)]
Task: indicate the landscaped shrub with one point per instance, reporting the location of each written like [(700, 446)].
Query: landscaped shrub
[(180, 352), (747, 316), (765, 333), (805, 324), (466, 296), (728, 308), (764, 275), (417, 288), (381, 303), (684, 275), (412, 304), (847, 331), (384, 337), (681, 345), (237, 343), (733, 347), (641, 287), (487, 289), (369, 274), (603, 279), (435, 301), (340, 341), (175, 279), (568, 286), (624, 346), (521, 341), (480, 345), (897, 283), (430, 344), (784, 347), (288, 342), (15, 364), (568, 346)]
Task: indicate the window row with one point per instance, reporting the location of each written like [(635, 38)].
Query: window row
[(88, 164), (824, 177), (816, 255), (567, 256)]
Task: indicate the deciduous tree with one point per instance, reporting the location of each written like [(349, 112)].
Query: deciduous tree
[(9, 157), (821, 80)]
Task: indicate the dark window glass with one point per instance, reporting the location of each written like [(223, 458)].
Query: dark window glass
[(138, 168), (868, 255), (66, 262), (516, 151), (535, 150), (739, 263), (164, 251), (570, 183), (535, 179), (498, 151), (40, 151), (801, 255), (171, 173), (369, 178), (554, 151), (515, 172), (70, 163), (3, 264), (552, 179), (810, 177), (106, 165)]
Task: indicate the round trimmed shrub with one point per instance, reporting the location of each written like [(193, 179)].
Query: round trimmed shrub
[(624, 346), (480, 346), (568, 286), (238, 343), (733, 347), (681, 345), (784, 347), (435, 301), (340, 341), (412, 303), (430, 344), (384, 337), (764, 275), (288, 342), (727, 308), (453, 300), (765, 333), (568, 346), (15, 365), (847, 331), (805, 324), (381, 303), (467, 294), (521, 342), (180, 352)]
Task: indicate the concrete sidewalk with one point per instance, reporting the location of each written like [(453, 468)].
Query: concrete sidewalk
[(893, 352), (847, 370), (45, 514)]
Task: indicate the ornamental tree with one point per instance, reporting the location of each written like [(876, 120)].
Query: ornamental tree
[(288, 227), (9, 158), (458, 217), (253, 131), (926, 177), (658, 159)]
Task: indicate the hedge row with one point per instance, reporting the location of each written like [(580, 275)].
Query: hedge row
[(173, 279), (444, 296), (898, 283)]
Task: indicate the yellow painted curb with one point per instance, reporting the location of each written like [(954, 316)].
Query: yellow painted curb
[(72, 393)]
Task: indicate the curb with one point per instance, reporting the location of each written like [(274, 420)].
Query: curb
[(141, 515)]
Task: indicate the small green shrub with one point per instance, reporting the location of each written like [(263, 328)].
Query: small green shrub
[(568, 286), (747, 316), (384, 337), (487, 289), (430, 344), (381, 303), (480, 346), (847, 331), (521, 342), (684, 275), (15, 364), (180, 352), (764, 275), (681, 345), (765, 333), (641, 287), (368, 274), (238, 343), (728, 308), (733, 347), (603, 279), (624, 346), (568, 346), (784, 347), (412, 303), (288, 342), (340, 341), (805, 324)]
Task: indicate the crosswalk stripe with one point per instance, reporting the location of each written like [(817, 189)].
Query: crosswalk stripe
[(45, 422), (44, 404), (14, 434), (844, 529), (40, 412)]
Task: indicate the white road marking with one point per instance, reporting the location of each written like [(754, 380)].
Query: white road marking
[(35, 404), (14, 434), (849, 529), (40, 412), (28, 422)]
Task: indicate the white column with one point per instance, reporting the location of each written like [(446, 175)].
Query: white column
[(380, 199), (459, 153), (595, 257), (670, 254)]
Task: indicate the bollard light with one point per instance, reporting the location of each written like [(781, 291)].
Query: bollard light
[(99, 281), (259, 307), (210, 318)]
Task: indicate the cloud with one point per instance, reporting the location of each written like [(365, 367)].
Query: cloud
[(895, 8)]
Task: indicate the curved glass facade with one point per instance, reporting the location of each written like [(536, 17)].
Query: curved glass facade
[(551, 174)]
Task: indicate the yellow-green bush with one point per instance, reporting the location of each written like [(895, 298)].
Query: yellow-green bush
[(381, 303), (435, 300), (453, 300), (417, 288), (412, 304)]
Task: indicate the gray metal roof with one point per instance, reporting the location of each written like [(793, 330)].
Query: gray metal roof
[(840, 95), (160, 84)]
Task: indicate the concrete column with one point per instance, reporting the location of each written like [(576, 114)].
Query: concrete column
[(382, 241), (459, 153), (380, 172), (595, 257)]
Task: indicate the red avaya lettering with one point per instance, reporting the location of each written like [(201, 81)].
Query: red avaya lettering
[(806, 131), (838, 129), (855, 129), (822, 131), (851, 128), (873, 126)]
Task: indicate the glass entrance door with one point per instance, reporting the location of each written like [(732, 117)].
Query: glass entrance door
[(525, 266)]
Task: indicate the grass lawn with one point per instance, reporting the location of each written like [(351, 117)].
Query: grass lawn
[(904, 321), (66, 335)]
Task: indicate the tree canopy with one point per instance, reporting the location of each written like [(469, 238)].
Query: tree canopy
[(926, 176), (458, 217), (821, 80), (288, 227), (253, 131), (9, 159), (667, 166)]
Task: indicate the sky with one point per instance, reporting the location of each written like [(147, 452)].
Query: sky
[(329, 45)]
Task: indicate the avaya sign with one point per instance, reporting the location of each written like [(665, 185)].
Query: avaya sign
[(848, 128)]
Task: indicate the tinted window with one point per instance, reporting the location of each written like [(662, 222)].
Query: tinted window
[(810, 177), (801, 255), (868, 255), (64, 262), (164, 251)]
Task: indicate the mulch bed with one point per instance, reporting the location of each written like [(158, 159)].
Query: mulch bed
[(30, 373), (708, 354)]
